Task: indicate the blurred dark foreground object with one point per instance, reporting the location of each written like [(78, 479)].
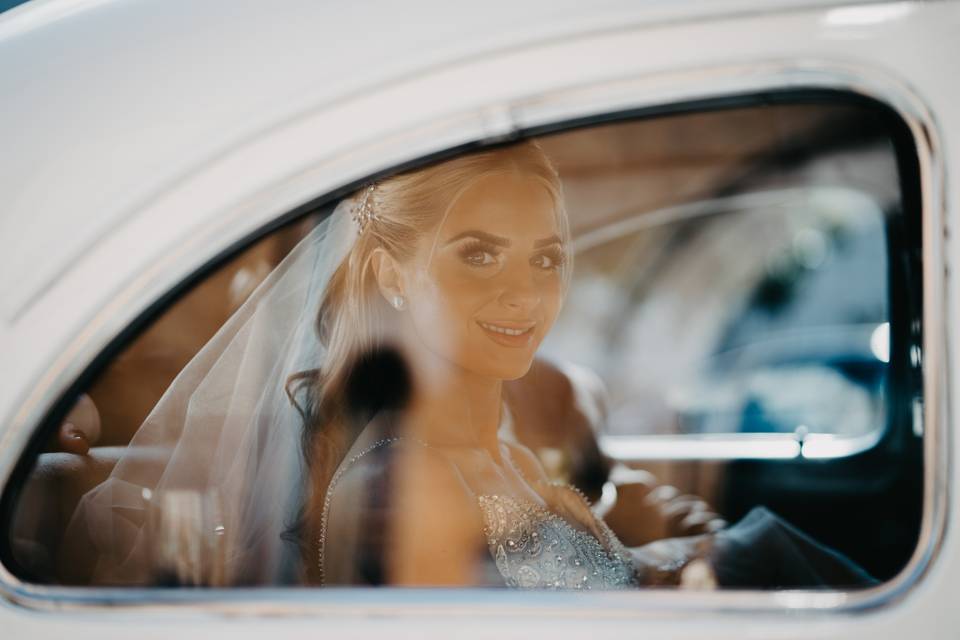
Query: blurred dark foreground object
[(761, 551)]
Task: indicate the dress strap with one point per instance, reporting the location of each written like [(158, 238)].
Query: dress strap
[(345, 466)]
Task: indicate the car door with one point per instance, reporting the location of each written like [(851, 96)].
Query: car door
[(893, 478)]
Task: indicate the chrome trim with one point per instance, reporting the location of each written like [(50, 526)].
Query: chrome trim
[(819, 446), (742, 446), (736, 446), (557, 107)]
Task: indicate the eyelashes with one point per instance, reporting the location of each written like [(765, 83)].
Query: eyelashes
[(554, 255), (477, 253), (480, 254)]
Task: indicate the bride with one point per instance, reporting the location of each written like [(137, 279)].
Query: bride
[(345, 425), (457, 275)]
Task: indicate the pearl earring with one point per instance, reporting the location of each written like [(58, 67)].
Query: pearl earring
[(399, 302)]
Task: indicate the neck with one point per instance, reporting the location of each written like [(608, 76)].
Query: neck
[(453, 407)]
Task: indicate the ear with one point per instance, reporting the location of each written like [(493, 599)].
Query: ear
[(388, 274)]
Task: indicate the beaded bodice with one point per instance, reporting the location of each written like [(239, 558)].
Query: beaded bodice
[(531, 546), (534, 548)]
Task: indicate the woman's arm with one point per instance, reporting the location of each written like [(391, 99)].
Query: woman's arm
[(437, 529)]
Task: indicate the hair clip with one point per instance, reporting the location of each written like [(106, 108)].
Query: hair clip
[(364, 212)]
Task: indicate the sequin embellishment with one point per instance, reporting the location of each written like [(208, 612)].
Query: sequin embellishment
[(535, 548)]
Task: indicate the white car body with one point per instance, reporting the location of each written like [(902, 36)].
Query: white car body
[(143, 139)]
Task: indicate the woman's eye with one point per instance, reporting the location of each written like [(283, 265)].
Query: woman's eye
[(544, 262), (479, 254), (480, 258), (548, 261)]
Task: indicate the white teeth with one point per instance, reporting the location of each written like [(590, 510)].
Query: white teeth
[(504, 330)]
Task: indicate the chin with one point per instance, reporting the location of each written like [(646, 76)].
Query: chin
[(504, 371), (495, 362)]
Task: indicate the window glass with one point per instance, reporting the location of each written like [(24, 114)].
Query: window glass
[(670, 350), (731, 283)]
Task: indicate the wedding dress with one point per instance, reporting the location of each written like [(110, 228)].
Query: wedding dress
[(534, 548), (530, 546)]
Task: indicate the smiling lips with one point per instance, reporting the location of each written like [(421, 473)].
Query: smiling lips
[(510, 334)]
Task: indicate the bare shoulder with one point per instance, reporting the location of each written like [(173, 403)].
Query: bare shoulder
[(438, 527), (428, 480)]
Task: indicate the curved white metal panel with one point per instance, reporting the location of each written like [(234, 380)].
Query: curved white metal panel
[(195, 218)]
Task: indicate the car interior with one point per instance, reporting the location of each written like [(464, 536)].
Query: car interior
[(743, 328)]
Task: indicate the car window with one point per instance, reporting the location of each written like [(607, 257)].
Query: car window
[(727, 300), (751, 297)]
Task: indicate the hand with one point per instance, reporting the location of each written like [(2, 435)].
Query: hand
[(80, 429), (645, 510)]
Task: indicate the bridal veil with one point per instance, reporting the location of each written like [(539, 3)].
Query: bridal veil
[(212, 478)]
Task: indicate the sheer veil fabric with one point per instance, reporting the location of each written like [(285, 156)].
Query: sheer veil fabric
[(212, 478)]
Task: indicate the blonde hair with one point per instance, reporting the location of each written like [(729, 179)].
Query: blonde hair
[(353, 316)]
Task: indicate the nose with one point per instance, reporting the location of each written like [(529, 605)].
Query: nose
[(521, 293)]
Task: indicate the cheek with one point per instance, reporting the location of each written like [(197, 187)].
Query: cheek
[(552, 302), (462, 295), (446, 302), (444, 306)]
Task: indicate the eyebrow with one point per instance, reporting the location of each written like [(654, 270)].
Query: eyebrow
[(546, 242), (499, 240), (481, 235)]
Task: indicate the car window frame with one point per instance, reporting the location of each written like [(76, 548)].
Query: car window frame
[(538, 116)]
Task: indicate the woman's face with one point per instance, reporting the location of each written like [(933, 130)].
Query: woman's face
[(486, 287)]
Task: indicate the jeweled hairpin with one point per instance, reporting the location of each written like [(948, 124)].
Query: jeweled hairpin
[(364, 211)]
